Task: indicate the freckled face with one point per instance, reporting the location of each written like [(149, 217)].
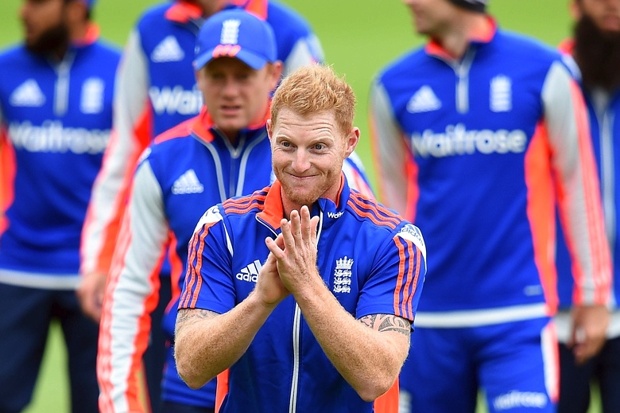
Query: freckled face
[(307, 155)]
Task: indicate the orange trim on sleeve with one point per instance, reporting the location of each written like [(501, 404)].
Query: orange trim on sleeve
[(375, 159), (599, 247), (413, 190), (143, 134), (7, 177), (540, 211), (388, 401), (105, 369), (221, 390), (409, 169)]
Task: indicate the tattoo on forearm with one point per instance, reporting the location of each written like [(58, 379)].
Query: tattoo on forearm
[(387, 322), (186, 315)]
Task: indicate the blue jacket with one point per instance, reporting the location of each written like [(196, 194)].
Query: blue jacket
[(472, 150), (56, 119), (372, 261)]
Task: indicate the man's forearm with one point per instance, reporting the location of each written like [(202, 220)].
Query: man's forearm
[(207, 343), (368, 358)]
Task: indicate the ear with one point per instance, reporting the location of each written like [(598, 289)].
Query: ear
[(269, 128), (352, 138), (276, 74), (76, 12), (575, 9), (200, 78)]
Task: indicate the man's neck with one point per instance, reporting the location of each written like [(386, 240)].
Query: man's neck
[(467, 27), (78, 33)]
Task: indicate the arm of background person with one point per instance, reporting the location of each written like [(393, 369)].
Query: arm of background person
[(132, 293), (580, 208), (394, 166), (355, 172), (297, 43), (130, 136)]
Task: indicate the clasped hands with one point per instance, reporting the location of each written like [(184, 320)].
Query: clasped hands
[(291, 265)]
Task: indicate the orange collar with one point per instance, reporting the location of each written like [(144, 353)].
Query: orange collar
[(183, 11), (90, 37), (204, 122), (485, 35), (273, 210)]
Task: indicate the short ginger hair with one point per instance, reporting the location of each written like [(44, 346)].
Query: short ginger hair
[(313, 89)]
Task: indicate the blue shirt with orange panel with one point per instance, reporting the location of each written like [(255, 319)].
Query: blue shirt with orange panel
[(474, 150), (55, 125), (372, 260)]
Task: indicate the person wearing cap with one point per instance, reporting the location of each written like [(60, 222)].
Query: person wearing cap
[(157, 90), (220, 153), (479, 148), (305, 290), (595, 46), (55, 120)]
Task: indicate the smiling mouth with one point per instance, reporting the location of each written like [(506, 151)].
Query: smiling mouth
[(302, 177)]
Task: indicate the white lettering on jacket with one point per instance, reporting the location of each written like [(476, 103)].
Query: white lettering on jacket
[(53, 137), (175, 100), (457, 140)]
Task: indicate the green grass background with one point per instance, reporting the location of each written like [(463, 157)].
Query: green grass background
[(359, 37)]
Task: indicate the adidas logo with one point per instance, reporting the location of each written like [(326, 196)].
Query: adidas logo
[(250, 272), (424, 100), (27, 94), (168, 50), (187, 183)]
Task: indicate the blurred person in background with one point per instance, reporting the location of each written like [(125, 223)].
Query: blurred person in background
[(156, 91), (472, 134), (222, 152), (595, 47), (55, 119)]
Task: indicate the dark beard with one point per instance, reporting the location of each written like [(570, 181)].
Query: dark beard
[(598, 55), (54, 41)]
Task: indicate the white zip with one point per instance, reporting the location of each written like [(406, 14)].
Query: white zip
[(461, 70), (606, 120), (234, 153), (292, 405), (244, 163), (61, 88)]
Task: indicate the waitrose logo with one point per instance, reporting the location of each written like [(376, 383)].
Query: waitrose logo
[(175, 100), (53, 137), (457, 140)]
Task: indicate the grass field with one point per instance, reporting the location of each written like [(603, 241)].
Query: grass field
[(359, 37)]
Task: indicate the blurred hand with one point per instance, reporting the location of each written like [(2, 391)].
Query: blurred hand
[(90, 294), (589, 325)]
